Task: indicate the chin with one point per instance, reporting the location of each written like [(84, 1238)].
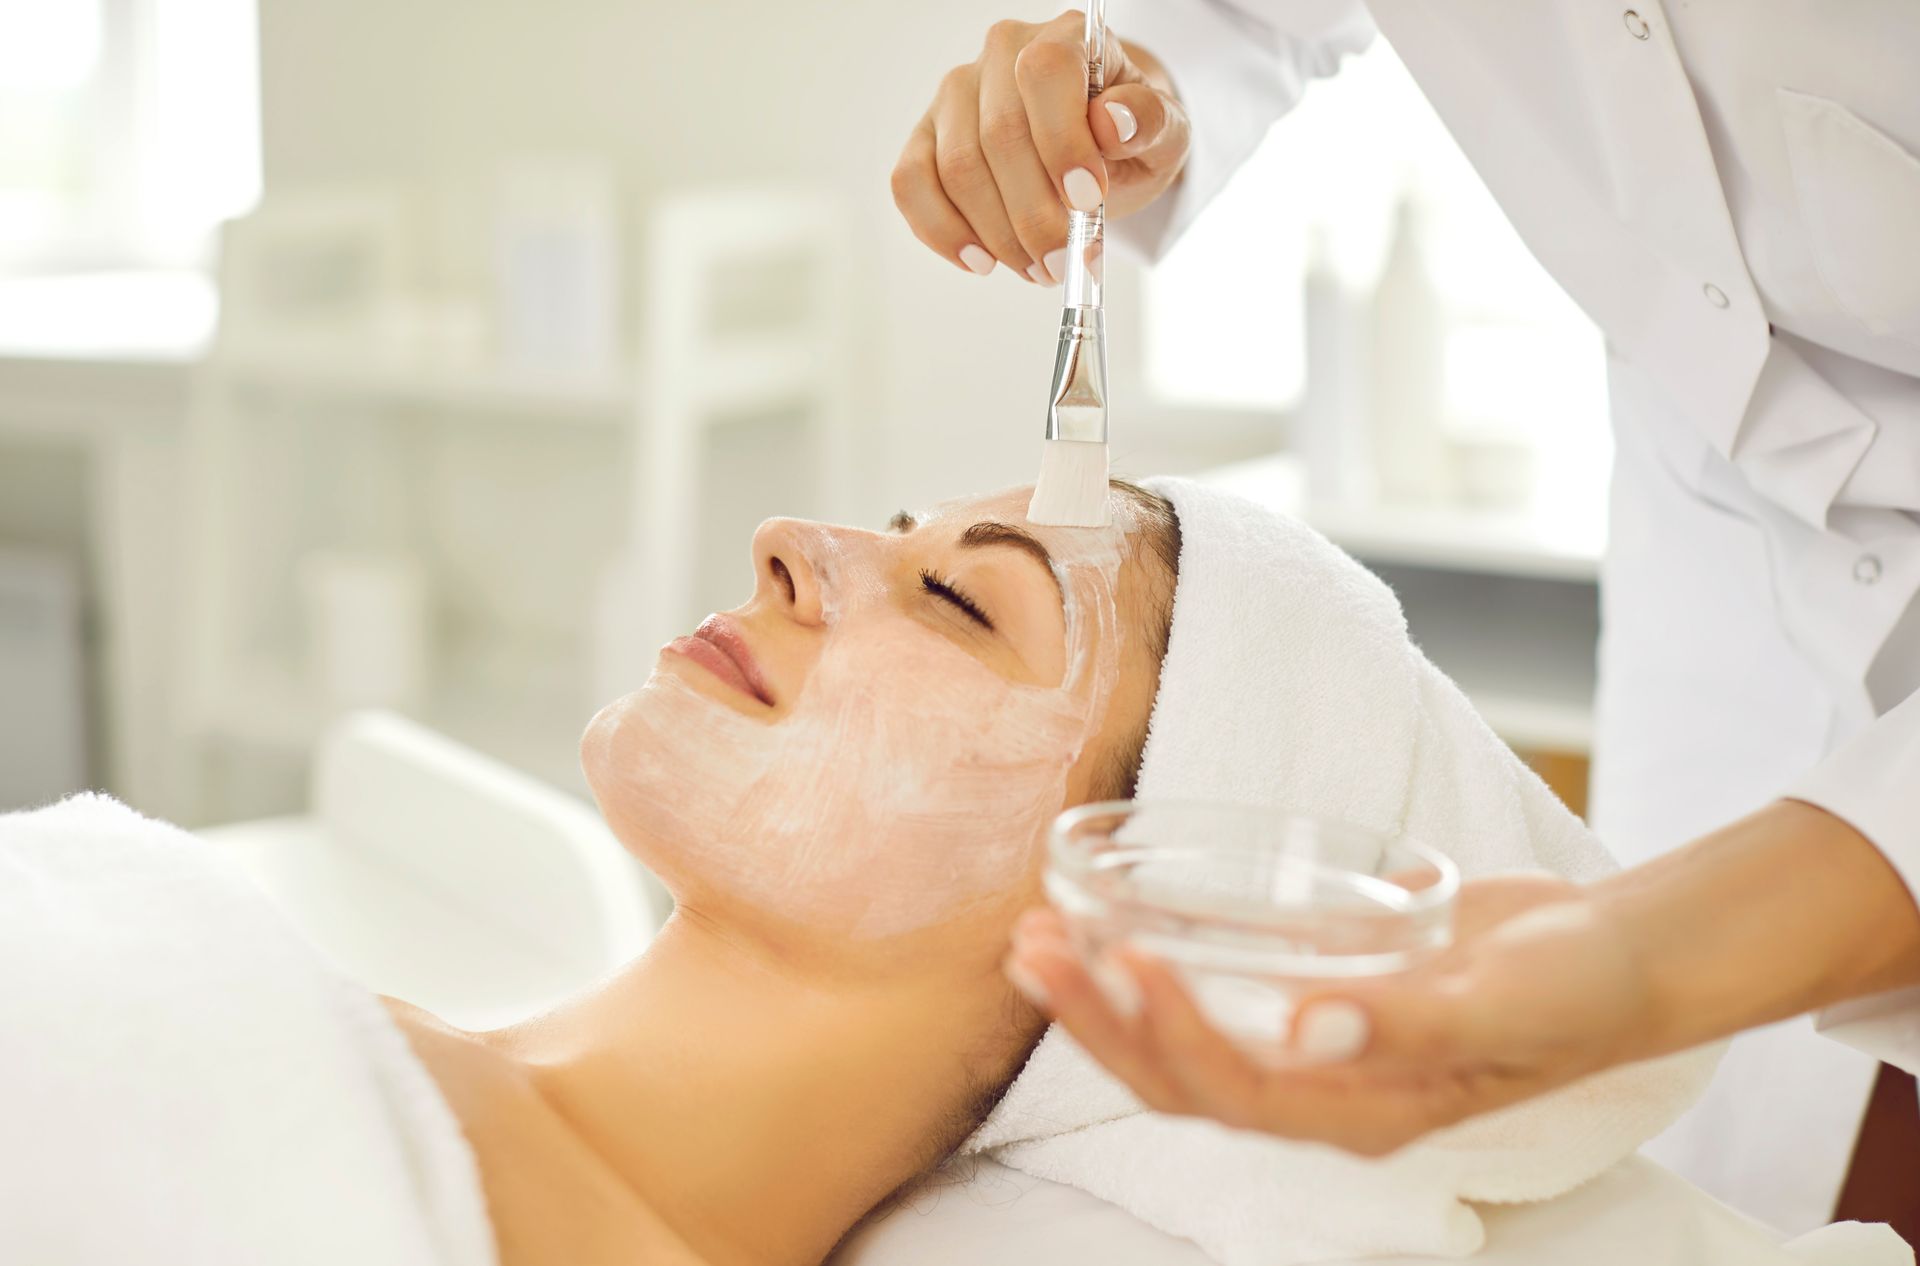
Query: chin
[(597, 742), (642, 782), (611, 753)]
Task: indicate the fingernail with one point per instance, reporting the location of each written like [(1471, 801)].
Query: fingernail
[(1083, 191), (1039, 274), (1123, 121), (1057, 264), (1117, 983), (1331, 1031), (1025, 981), (977, 259)]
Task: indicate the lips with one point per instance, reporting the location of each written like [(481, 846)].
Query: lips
[(718, 646)]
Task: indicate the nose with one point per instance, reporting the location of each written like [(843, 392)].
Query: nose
[(787, 561)]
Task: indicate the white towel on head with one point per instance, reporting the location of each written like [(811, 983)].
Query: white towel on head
[(1290, 680)]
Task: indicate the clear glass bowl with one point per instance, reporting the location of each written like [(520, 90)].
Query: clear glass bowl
[(1251, 906)]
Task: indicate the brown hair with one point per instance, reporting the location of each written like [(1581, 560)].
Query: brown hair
[(1160, 545)]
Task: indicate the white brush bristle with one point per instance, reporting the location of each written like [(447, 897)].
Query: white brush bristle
[(1072, 488)]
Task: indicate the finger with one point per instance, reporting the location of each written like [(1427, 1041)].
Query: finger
[(928, 212), (1425, 1023), (1498, 1002), (964, 172), (1039, 922), (1078, 1005), (1032, 203), (1344, 1106), (1051, 72), (1176, 1063), (1351, 1107), (1201, 1061), (1036, 934), (1137, 121)]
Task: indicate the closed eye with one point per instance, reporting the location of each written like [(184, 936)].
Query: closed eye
[(939, 588)]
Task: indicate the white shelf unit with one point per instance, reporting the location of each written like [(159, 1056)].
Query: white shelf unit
[(277, 416), (95, 370), (1506, 602)]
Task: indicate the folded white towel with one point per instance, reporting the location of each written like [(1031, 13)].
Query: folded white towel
[(1290, 680), (183, 1080)]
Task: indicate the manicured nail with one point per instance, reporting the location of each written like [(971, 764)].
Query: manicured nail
[(1039, 274), (1026, 982), (1083, 191), (977, 259), (1123, 121), (1331, 1032), (1057, 264)]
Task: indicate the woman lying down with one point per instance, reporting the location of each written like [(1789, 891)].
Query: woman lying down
[(846, 784)]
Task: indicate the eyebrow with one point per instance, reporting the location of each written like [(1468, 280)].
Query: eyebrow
[(988, 534)]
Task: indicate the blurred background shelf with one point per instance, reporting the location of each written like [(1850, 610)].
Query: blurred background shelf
[(1505, 601), (605, 397), (1541, 543), (460, 390), (763, 370)]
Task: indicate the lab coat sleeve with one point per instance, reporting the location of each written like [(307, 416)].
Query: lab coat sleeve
[(1238, 65), (1873, 783)]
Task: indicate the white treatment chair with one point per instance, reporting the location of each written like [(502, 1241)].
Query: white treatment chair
[(435, 874)]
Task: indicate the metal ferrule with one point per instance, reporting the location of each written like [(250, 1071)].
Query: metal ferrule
[(1077, 408)]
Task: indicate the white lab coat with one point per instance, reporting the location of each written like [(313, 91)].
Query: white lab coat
[(1731, 189)]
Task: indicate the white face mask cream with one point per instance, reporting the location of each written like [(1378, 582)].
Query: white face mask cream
[(907, 780)]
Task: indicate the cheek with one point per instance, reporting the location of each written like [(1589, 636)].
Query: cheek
[(908, 783), (938, 780), (651, 755)]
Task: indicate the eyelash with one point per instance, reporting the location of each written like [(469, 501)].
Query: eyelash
[(939, 588)]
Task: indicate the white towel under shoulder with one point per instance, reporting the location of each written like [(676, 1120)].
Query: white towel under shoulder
[(183, 1080)]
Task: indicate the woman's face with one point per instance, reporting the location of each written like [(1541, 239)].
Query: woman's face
[(875, 743)]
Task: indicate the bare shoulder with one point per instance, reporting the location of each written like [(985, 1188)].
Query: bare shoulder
[(549, 1196)]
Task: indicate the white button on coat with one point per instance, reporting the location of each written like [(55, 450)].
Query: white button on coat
[(1729, 188)]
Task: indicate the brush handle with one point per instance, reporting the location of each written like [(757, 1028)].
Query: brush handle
[(1086, 230), (1096, 42), (1086, 245)]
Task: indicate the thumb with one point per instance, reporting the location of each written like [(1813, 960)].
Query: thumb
[(1431, 1023), (1525, 990), (1138, 121)]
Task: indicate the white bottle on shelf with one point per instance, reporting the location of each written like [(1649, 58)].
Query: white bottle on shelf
[(557, 266), (1406, 382), (1335, 435)]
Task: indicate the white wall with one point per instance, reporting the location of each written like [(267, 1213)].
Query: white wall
[(431, 94)]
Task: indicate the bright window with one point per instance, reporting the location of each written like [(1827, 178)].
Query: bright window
[(1518, 360), (128, 129)]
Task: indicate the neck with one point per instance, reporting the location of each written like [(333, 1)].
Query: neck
[(759, 1109)]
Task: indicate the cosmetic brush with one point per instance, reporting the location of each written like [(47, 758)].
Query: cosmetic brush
[(1072, 488)]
